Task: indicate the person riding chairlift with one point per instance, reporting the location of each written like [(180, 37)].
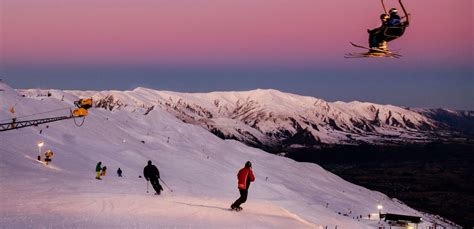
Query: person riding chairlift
[(392, 28), (395, 19), (376, 35)]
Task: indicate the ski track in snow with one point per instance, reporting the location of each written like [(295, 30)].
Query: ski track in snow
[(50, 208)]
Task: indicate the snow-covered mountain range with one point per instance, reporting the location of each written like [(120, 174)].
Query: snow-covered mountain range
[(136, 126), (273, 120)]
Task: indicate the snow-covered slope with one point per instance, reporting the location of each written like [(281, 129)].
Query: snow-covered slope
[(274, 119), (200, 167)]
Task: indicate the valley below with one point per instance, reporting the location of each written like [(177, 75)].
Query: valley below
[(436, 178)]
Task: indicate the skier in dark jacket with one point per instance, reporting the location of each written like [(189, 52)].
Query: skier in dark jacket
[(376, 36), (98, 169), (394, 19), (119, 172), (245, 176), (104, 170), (151, 173)]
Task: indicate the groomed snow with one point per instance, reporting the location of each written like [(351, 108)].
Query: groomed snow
[(200, 168)]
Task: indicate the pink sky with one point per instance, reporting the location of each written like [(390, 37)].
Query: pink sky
[(243, 32)]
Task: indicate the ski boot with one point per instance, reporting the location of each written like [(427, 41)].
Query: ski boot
[(235, 208)]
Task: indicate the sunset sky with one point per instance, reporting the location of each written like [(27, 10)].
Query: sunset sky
[(205, 45)]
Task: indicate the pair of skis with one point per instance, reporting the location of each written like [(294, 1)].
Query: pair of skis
[(372, 52)]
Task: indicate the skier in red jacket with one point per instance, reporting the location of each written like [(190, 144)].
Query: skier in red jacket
[(245, 176)]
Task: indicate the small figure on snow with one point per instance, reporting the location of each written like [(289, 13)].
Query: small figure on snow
[(104, 169), (151, 173), (245, 176), (47, 156), (98, 168), (119, 172)]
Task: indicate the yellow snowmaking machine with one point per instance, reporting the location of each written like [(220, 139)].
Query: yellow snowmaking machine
[(82, 106)]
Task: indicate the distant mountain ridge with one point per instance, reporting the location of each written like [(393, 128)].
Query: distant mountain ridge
[(272, 119), (461, 121)]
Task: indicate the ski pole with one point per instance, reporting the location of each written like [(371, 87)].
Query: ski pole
[(171, 190), (147, 186)]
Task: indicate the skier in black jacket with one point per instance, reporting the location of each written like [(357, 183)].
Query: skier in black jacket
[(376, 36), (151, 173)]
